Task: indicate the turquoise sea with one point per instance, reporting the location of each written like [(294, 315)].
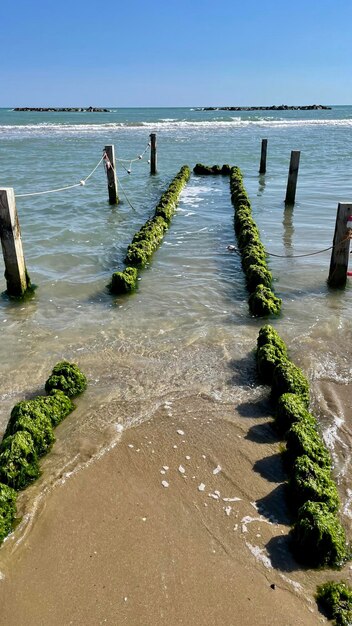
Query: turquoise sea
[(187, 331)]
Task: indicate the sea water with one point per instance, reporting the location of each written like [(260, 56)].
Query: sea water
[(187, 330)]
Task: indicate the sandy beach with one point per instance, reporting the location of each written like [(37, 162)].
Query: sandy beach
[(170, 526)]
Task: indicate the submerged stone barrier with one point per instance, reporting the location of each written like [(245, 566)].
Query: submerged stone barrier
[(29, 435), (149, 236), (262, 300), (318, 538)]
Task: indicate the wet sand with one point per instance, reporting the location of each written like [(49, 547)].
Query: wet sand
[(112, 545)]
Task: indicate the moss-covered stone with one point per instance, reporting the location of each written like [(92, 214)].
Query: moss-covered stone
[(55, 407), (253, 254), (66, 377), (124, 282), (258, 275), (335, 598), (303, 439), (8, 498), (318, 537), (290, 409), (268, 335), (18, 460), (57, 404), (263, 302), (309, 481), (40, 428), (288, 378), (268, 356), (209, 170)]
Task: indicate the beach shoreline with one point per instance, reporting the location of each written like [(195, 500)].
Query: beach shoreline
[(164, 527)]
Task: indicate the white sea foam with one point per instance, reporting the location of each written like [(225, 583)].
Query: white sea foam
[(259, 555)]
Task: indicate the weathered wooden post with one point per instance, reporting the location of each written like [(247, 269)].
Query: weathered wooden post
[(292, 177), (15, 269), (109, 158), (341, 246), (153, 157), (262, 168)]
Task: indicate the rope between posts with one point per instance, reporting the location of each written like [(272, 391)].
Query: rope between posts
[(80, 184), (293, 256)]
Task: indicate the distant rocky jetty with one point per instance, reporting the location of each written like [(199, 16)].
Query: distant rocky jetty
[(63, 110), (281, 107)]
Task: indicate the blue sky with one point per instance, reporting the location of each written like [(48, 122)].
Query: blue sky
[(167, 53)]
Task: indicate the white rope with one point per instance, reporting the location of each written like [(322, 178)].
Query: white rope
[(138, 158), (80, 184)]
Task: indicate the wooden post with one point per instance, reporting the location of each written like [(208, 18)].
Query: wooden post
[(292, 177), (153, 158), (341, 249), (262, 168), (10, 233), (111, 174)]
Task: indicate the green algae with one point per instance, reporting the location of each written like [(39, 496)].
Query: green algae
[(18, 460), (124, 282), (263, 302), (335, 598), (8, 498), (39, 427), (258, 275), (290, 409), (66, 377), (311, 482), (318, 537), (288, 378), (303, 439), (268, 356), (209, 170)]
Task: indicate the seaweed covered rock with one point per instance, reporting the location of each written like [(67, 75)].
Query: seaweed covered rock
[(258, 275), (303, 439), (268, 356), (335, 598), (39, 426), (124, 282), (139, 253), (57, 404), (18, 460), (66, 377), (318, 537), (290, 409), (268, 335), (7, 510), (263, 302), (288, 378), (208, 170), (309, 481)]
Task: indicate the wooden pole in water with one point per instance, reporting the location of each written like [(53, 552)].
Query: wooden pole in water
[(341, 249), (111, 174), (262, 168), (11, 242), (153, 157), (292, 177)]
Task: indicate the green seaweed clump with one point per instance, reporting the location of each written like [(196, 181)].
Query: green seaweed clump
[(268, 356), (207, 170), (318, 537), (290, 409), (258, 275), (304, 439), (18, 460), (263, 302), (309, 481), (124, 282), (288, 378), (268, 335), (335, 598), (66, 377), (39, 427), (7, 510)]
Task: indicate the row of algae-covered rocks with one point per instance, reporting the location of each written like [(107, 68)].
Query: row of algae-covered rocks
[(262, 300), (29, 435), (317, 537), (149, 237)]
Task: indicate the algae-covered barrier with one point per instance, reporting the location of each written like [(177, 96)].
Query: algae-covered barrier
[(30, 434), (335, 598), (318, 538), (148, 238), (262, 300)]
